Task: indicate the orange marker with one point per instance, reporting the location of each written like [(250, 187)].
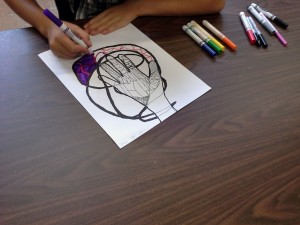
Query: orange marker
[(219, 35)]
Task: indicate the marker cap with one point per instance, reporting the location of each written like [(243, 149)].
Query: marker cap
[(229, 43), (281, 39), (52, 17), (280, 22), (258, 41), (206, 48), (214, 46), (262, 40), (217, 43), (251, 36)]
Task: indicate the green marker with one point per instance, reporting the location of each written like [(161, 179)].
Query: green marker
[(214, 46)]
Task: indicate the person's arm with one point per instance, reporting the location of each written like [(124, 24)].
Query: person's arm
[(177, 7), (122, 14), (60, 44)]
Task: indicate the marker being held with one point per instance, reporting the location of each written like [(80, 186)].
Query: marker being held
[(66, 29)]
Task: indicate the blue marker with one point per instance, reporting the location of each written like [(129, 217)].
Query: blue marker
[(65, 29), (199, 41)]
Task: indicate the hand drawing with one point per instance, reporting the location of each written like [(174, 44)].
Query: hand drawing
[(130, 80), (130, 71)]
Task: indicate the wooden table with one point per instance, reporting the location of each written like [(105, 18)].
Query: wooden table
[(231, 157)]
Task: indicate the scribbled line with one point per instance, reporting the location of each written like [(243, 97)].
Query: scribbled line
[(116, 70)]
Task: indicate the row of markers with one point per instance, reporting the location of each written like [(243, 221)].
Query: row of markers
[(262, 16), (206, 41), (213, 47)]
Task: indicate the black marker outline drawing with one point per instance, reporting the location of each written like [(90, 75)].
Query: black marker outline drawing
[(128, 70)]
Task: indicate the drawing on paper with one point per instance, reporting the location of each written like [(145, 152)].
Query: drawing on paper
[(123, 86), (123, 75)]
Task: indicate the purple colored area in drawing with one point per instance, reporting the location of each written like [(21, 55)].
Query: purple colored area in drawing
[(84, 68)]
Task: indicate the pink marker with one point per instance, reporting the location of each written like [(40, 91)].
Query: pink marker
[(277, 34), (248, 29)]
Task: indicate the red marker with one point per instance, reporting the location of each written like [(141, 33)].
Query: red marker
[(248, 29)]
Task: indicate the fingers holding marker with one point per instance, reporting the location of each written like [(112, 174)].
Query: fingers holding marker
[(63, 46), (71, 50), (66, 48), (81, 34)]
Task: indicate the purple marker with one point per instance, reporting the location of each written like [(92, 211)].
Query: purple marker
[(65, 29)]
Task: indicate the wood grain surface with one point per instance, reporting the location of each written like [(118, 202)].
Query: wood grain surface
[(232, 157)]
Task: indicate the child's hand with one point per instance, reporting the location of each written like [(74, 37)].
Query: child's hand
[(111, 19), (63, 46)]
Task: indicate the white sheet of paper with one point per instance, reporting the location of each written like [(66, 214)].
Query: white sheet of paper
[(183, 87)]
